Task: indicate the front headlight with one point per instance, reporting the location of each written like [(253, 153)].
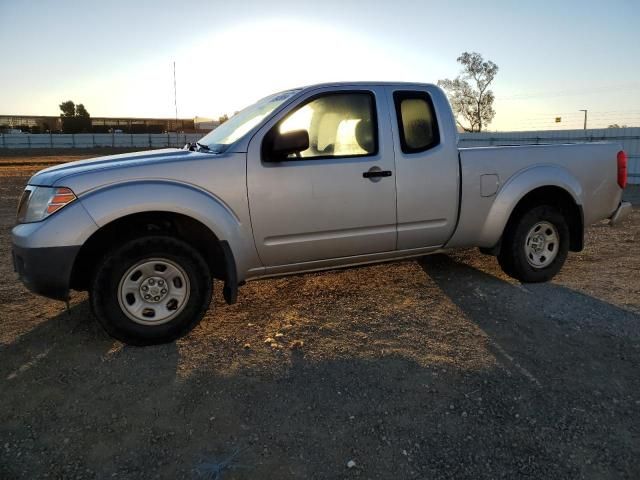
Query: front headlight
[(37, 203)]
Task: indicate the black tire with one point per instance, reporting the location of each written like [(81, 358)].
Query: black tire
[(106, 281), (513, 257)]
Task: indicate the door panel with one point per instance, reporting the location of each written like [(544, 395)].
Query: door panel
[(320, 206), (427, 173)]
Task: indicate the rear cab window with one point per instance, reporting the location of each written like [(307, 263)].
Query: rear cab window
[(417, 122)]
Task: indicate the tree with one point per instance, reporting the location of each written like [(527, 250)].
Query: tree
[(615, 125), (75, 118), (223, 119), (68, 109), (469, 92), (81, 111)]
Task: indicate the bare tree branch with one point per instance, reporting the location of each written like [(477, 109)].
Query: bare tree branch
[(469, 94)]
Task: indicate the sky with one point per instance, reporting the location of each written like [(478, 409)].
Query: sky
[(116, 57)]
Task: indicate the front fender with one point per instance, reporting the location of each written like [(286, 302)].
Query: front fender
[(115, 201), (519, 185)]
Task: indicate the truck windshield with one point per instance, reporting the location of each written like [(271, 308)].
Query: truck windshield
[(219, 139)]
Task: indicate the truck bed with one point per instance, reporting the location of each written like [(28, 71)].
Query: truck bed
[(590, 170)]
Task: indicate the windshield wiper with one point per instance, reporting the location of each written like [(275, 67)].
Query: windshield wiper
[(197, 146)]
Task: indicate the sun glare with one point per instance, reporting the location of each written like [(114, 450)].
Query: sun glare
[(226, 70), (229, 68), (300, 120)]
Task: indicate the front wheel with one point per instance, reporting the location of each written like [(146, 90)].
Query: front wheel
[(535, 246), (151, 290)]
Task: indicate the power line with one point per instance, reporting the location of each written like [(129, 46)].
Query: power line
[(577, 114), (620, 88), (569, 119)]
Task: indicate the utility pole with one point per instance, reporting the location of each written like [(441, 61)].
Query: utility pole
[(175, 99), (585, 118)]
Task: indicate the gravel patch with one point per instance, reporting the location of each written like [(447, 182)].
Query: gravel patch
[(437, 368)]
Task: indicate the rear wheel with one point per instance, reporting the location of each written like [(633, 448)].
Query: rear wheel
[(151, 290), (535, 246)]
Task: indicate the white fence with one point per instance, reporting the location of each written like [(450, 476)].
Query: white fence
[(629, 138), (91, 140)]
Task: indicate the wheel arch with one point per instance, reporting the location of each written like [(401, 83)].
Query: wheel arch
[(556, 197), (542, 185), (216, 252)]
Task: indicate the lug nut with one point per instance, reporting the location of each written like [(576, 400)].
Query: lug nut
[(156, 298), (147, 297), (164, 290), (145, 288), (151, 281), (160, 282)]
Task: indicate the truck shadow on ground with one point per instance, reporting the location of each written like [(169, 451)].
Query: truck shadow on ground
[(559, 401), (546, 327)]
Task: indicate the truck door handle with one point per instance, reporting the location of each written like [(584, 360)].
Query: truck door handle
[(377, 173)]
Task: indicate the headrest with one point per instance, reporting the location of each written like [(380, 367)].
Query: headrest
[(364, 135)]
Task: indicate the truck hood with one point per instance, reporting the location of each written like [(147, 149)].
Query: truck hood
[(50, 176)]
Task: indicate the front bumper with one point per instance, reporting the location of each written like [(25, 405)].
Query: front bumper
[(47, 270), (622, 212), (44, 252)]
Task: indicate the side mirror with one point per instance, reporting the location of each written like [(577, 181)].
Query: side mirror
[(284, 144)]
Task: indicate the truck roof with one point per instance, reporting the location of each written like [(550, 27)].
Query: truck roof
[(370, 83)]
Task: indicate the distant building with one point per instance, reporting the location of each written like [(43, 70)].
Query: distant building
[(29, 124), (205, 124), (46, 124)]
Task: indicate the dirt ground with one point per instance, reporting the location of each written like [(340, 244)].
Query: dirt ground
[(438, 368)]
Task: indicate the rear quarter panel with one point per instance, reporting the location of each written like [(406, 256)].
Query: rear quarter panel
[(586, 171)]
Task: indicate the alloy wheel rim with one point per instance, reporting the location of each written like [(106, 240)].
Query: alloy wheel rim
[(542, 244), (153, 291)]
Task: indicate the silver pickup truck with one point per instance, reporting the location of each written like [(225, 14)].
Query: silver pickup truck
[(314, 178)]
